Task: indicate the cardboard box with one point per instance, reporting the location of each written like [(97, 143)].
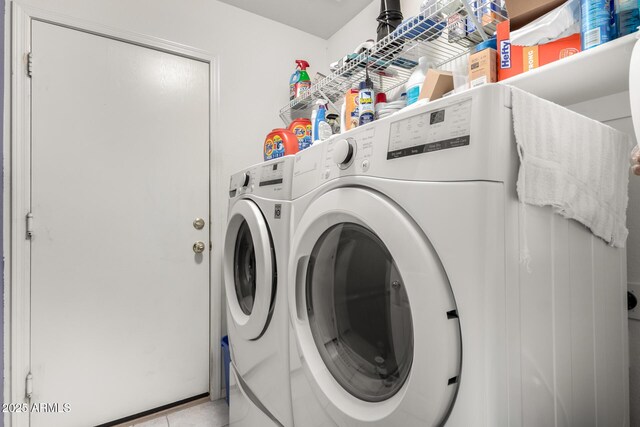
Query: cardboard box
[(483, 67), (514, 59), (490, 12), (521, 12), (436, 83)]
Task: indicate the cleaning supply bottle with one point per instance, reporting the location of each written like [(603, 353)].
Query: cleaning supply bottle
[(300, 81), (279, 142), (596, 20), (414, 84), (343, 115), (351, 109), (627, 16), (320, 129), (366, 103)]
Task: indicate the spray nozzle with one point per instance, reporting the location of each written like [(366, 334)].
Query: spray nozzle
[(302, 64)]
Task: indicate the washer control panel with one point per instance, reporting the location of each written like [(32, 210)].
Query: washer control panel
[(271, 179)]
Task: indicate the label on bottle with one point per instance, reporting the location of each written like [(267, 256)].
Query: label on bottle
[(293, 82), (303, 133), (354, 117), (273, 148), (366, 106), (302, 88), (413, 94), (596, 23)]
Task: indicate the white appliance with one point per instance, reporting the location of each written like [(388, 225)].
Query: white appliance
[(409, 305), (255, 257), (634, 87)]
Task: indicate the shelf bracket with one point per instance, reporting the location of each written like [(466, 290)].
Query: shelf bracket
[(475, 21), (284, 119), (329, 101)]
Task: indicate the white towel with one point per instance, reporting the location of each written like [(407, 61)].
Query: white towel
[(577, 165)]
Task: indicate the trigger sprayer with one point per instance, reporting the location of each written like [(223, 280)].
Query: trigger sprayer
[(300, 81)]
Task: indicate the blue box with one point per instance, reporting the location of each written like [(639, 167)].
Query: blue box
[(227, 362)]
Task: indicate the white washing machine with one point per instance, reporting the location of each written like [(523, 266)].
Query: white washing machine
[(409, 305), (255, 257)]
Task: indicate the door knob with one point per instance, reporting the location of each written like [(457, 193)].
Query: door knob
[(198, 247), (198, 223)]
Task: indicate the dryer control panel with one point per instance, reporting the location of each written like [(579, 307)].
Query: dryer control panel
[(270, 179)]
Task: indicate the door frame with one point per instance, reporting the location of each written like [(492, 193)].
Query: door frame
[(16, 190)]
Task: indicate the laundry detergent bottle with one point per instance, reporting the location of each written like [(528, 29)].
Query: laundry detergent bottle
[(627, 16), (279, 142), (414, 84), (300, 81)]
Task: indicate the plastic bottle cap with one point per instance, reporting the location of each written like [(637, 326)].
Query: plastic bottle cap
[(367, 84)]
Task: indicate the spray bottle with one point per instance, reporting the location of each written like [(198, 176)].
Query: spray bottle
[(300, 81), (320, 129)]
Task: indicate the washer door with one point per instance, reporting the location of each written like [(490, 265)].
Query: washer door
[(373, 312), (249, 269)]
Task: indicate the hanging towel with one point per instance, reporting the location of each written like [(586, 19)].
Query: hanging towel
[(577, 165)]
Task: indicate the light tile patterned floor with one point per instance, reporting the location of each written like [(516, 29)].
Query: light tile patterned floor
[(208, 414)]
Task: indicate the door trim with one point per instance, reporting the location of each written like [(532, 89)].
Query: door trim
[(17, 191)]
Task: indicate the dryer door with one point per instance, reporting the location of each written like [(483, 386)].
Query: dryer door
[(249, 269), (373, 314)]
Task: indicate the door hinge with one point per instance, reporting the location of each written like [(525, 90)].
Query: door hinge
[(29, 386), (30, 64), (29, 220)]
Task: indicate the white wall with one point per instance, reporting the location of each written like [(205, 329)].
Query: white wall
[(256, 58), (613, 110)]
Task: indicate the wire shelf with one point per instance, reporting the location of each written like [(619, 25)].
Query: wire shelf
[(442, 34)]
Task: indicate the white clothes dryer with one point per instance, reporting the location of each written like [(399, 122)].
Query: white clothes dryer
[(409, 305), (256, 252)]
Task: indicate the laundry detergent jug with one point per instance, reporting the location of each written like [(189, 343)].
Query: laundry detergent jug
[(280, 142), (301, 128)]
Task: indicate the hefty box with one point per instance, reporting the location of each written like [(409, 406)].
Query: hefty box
[(514, 59)]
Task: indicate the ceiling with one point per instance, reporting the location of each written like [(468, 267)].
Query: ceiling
[(318, 17)]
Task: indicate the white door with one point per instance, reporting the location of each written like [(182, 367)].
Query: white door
[(120, 170)]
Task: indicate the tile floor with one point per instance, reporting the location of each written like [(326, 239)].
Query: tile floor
[(206, 414)]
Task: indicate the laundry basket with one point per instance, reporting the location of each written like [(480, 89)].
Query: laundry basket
[(227, 360)]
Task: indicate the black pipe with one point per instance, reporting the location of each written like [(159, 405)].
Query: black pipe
[(390, 17)]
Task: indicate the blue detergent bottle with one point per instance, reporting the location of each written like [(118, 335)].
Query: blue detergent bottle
[(627, 16), (596, 26)]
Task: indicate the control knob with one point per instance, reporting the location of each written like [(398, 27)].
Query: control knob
[(344, 152), (245, 179)]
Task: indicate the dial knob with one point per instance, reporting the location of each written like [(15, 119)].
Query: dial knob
[(245, 179), (343, 151)]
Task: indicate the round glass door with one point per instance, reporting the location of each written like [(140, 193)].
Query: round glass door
[(372, 313), (249, 269), (359, 312), (244, 271)]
